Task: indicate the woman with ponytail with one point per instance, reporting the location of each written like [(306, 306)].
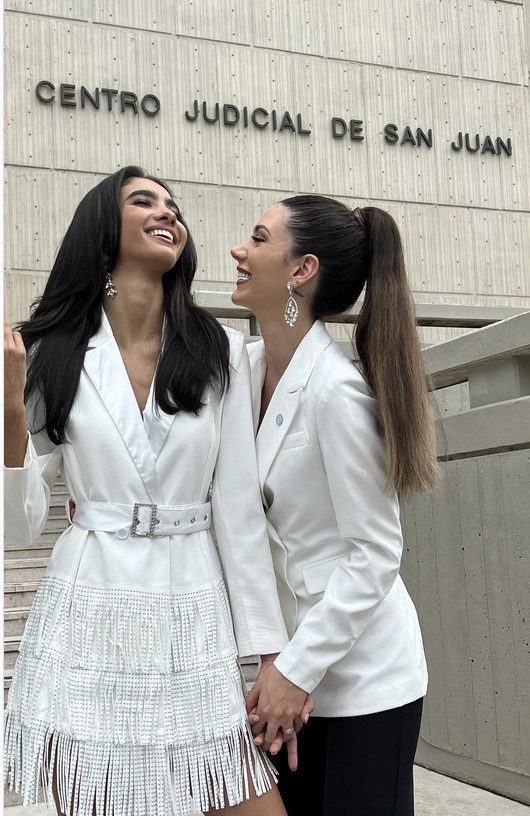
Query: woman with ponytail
[(337, 446), (127, 697)]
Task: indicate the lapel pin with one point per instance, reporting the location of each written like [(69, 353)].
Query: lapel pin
[(279, 419)]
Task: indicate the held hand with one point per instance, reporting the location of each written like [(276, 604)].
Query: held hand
[(14, 369), (308, 709), (253, 695), (292, 748), (280, 736), (278, 704), (266, 662)]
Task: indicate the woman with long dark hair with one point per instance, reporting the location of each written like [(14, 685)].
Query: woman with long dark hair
[(127, 696), (337, 445)]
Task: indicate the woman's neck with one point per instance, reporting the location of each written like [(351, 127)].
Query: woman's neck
[(136, 313), (281, 342)]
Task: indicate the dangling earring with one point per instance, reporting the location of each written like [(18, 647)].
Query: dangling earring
[(291, 309), (110, 289)]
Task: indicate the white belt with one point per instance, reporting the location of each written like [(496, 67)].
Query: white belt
[(145, 520)]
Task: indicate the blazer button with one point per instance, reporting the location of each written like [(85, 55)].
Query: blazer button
[(279, 419), (122, 533)]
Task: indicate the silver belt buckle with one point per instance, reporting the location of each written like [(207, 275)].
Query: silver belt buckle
[(153, 521)]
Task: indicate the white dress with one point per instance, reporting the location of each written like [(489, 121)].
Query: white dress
[(127, 680)]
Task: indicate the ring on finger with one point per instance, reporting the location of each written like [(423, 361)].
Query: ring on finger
[(288, 731)]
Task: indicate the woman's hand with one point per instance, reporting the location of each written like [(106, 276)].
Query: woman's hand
[(15, 432), (14, 368), (277, 704), (281, 736)]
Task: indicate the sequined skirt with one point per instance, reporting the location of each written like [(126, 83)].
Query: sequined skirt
[(132, 701)]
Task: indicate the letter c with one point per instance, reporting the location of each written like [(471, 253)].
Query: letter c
[(254, 117), (44, 83)]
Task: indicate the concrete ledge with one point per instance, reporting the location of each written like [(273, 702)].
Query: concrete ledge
[(503, 426), (474, 772), (220, 304), (449, 363)]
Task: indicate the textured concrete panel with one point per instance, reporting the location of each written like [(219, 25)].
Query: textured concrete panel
[(421, 36), (48, 201), (492, 36), (427, 36), (28, 140), (221, 21), (298, 27), (467, 568), (20, 290), (69, 9), (502, 269), (254, 157), (250, 156), (149, 15)]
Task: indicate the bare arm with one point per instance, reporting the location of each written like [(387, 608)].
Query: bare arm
[(15, 429)]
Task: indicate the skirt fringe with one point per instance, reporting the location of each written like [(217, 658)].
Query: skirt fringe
[(127, 780), (132, 702)]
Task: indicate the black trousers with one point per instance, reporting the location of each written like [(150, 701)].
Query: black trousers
[(353, 766)]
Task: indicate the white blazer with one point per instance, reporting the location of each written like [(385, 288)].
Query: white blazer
[(335, 535), (113, 455)]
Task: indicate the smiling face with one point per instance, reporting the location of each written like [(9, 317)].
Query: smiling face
[(264, 266), (151, 234)]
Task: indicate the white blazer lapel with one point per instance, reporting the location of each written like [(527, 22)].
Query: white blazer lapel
[(258, 369), (157, 424), (105, 367), (274, 427), (287, 396), (279, 415)]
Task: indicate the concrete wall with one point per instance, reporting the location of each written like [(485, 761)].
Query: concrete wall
[(443, 65), (466, 565)]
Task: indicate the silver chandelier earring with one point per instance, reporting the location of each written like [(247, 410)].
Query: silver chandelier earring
[(110, 289), (291, 309)]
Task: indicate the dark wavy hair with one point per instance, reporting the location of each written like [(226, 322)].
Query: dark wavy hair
[(357, 249), (195, 348)]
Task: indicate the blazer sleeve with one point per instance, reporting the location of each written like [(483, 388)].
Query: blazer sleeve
[(27, 490), (353, 456), (239, 521)]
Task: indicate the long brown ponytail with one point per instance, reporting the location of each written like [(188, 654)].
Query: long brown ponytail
[(389, 352), (358, 248)]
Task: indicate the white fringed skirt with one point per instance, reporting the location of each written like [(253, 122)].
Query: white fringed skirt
[(132, 701)]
